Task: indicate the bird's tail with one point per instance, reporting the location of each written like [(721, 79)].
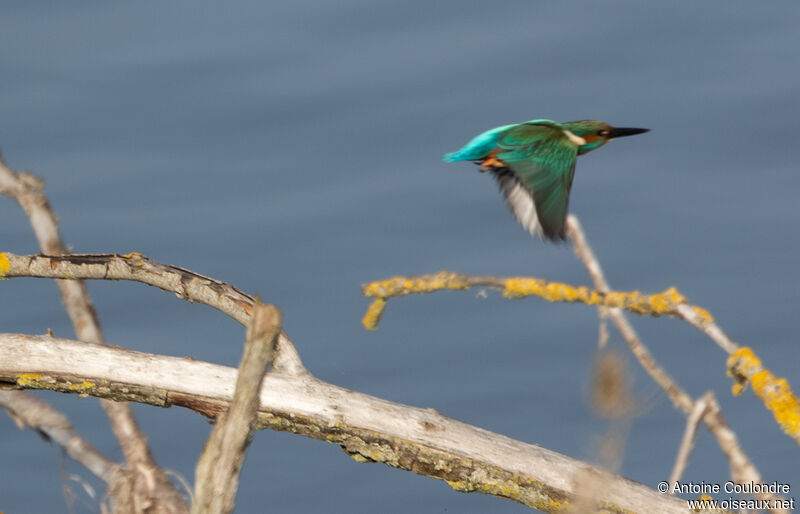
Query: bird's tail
[(479, 147), (452, 157)]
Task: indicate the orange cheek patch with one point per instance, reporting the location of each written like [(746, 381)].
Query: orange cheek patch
[(492, 161), (591, 139)]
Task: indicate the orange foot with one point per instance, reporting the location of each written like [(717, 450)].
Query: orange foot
[(490, 162)]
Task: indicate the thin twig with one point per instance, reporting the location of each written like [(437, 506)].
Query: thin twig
[(28, 410), (709, 328), (687, 442), (584, 252), (602, 327)]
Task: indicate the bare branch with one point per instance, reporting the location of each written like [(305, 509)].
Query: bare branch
[(217, 475), (28, 410), (709, 328), (151, 484), (584, 252), (367, 428)]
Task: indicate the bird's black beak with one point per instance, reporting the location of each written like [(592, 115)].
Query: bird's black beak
[(625, 131)]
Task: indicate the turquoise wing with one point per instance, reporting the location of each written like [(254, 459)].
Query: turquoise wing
[(541, 159)]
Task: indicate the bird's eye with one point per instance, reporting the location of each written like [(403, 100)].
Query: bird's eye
[(603, 133)]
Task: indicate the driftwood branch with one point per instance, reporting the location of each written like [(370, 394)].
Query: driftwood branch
[(145, 485), (217, 474), (368, 429)]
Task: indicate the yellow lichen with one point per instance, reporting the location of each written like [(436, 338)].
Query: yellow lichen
[(28, 379), (674, 296), (665, 303), (458, 485), (136, 259), (400, 286), (520, 287), (5, 265), (744, 367), (514, 489), (359, 458), (374, 313), (707, 317), (614, 299), (83, 386)]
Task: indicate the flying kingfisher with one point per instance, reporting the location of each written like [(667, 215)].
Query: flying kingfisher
[(534, 163)]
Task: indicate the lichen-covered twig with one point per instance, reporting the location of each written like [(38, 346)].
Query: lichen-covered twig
[(659, 304), (744, 367)]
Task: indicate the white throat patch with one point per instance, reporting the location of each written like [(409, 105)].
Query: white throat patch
[(575, 139)]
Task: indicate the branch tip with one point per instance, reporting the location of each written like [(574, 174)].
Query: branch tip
[(374, 314), (776, 393)]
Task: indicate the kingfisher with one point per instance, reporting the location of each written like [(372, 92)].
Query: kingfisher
[(534, 162)]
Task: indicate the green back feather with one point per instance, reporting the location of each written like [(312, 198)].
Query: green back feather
[(543, 158)]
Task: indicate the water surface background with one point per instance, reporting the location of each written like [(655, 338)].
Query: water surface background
[(294, 149)]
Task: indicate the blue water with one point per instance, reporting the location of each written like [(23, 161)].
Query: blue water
[(294, 149)]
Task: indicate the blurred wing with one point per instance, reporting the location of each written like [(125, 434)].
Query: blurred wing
[(540, 163)]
